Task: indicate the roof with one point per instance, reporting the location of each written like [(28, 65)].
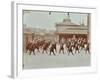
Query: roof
[(67, 22)]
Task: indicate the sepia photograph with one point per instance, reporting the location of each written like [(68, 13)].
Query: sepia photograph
[(54, 39)]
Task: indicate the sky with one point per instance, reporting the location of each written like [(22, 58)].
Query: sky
[(45, 20)]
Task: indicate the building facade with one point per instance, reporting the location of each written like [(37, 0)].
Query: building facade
[(68, 29)]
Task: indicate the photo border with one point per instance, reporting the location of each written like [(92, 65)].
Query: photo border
[(16, 62)]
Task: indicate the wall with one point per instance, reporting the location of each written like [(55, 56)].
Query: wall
[(5, 38)]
